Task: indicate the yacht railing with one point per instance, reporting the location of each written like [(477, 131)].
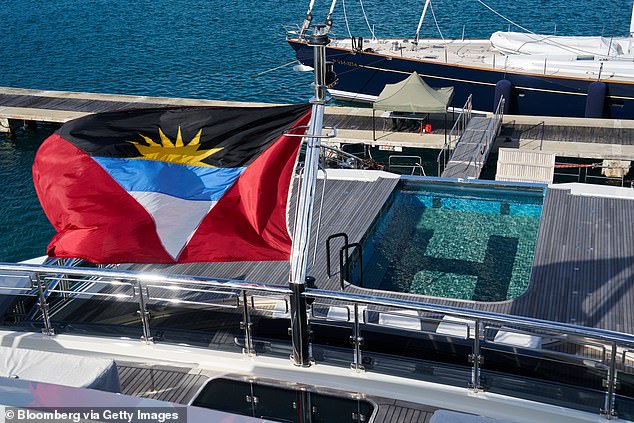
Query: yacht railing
[(479, 342), (454, 135), (412, 163)]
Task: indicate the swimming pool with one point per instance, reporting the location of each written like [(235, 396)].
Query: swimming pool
[(467, 241)]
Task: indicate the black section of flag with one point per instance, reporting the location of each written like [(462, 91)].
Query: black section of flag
[(242, 132)]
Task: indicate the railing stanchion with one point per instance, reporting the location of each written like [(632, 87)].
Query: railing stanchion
[(300, 334), (357, 341), (246, 325), (611, 384), (476, 359), (144, 315), (43, 305)]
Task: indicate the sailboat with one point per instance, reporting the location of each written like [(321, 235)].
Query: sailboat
[(542, 75)]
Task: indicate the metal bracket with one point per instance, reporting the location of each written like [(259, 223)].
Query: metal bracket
[(472, 357), (605, 383)]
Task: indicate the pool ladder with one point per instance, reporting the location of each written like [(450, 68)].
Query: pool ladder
[(344, 254)]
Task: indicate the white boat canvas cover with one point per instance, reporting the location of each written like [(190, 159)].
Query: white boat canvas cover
[(59, 368), (531, 44), (413, 95)]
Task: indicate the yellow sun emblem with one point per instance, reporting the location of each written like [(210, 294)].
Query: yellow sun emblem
[(175, 152)]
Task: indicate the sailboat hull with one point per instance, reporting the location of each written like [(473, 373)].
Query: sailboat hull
[(363, 75)]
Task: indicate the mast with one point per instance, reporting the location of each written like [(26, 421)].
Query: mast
[(304, 213), (422, 16), (329, 17), (307, 19), (632, 22)]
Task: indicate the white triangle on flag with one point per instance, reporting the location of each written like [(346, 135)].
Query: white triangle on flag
[(176, 219)]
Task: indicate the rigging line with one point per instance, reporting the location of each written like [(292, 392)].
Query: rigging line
[(504, 17), (431, 6), (366, 20), (274, 69), (345, 17)]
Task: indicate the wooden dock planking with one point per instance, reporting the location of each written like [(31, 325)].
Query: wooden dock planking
[(562, 136)]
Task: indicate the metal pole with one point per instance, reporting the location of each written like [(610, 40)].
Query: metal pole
[(357, 341), (373, 127), (476, 360), (301, 234), (145, 315), (246, 325), (48, 328), (611, 383)]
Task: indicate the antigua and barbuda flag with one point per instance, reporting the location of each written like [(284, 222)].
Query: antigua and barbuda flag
[(171, 185)]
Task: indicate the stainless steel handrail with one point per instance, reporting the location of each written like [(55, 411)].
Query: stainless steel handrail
[(521, 321), (149, 278), (459, 127), (616, 342), (145, 277)]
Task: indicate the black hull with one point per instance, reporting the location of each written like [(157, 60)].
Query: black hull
[(367, 73)]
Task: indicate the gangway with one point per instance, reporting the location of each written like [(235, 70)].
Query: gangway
[(473, 147)]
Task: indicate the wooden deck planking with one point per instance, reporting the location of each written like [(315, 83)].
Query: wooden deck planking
[(163, 383), (583, 263), (586, 134)]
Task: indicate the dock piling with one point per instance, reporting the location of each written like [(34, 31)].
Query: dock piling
[(5, 126)]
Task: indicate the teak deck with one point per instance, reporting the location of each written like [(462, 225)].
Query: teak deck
[(581, 273)]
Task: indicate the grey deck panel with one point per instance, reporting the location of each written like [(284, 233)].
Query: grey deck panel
[(584, 263), (586, 134), (469, 156), (70, 104), (180, 385), (163, 383)]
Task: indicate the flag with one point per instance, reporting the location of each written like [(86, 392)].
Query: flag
[(171, 185)]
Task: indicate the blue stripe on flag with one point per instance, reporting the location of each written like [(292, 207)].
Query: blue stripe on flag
[(177, 180)]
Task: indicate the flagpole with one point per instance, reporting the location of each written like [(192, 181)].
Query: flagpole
[(304, 213)]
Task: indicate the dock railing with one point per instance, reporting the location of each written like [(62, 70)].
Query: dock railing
[(479, 350), (454, 135)]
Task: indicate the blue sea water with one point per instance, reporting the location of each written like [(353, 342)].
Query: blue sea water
[(214, 49)]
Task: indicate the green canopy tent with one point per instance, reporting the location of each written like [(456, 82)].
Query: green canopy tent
[(412, 95)]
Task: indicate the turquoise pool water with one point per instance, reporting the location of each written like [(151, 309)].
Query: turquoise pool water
[(455, 241)]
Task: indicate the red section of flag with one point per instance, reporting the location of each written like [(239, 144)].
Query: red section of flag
[(249, 221), (95, 218)]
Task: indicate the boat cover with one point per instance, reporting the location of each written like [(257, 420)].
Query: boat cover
[(413, 95), (521, 43), (61, 369)]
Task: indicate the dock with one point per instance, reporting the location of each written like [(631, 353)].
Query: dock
[(601, 139)]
